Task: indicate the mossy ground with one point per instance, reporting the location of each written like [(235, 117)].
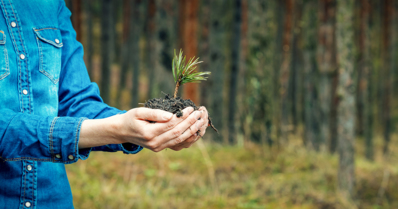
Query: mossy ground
[(252, 176)]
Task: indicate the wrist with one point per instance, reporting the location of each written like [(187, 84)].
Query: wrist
[(115, 129), (98, 132)]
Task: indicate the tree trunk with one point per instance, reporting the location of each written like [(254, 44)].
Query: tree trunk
[(280, 16), (346, 91), (136, 29), (388, 63), (190, 40), (233, 83), (256, 107), (150, 48), (125, 50), (333, 114), (242, 73), (77, 18), (326, 57), (106, 58), (205, 50), (165, 45), (311, 128), (295, 64), (285, 66), (217, 66), (89, 37), (365, 85)]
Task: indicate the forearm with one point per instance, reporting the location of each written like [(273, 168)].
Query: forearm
[(99, 132)]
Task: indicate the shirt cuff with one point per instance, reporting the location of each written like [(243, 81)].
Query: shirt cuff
[(63, 143), (129, 148)]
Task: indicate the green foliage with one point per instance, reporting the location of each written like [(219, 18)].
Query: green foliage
[(252, 177), (185, 72)]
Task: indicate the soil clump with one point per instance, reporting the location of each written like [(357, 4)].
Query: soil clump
[(173, 105)]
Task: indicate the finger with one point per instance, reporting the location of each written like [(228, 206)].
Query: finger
[(205, 119), (157, 115), (177, 138), (186, 144), (160, 128), (205, 114)]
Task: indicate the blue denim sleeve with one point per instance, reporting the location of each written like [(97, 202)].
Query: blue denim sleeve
[(40, 138), (78, 97)]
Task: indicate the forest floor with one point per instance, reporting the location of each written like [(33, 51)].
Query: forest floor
[(215, 176)]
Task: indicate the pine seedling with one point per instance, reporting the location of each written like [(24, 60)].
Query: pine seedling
[(184, 72)]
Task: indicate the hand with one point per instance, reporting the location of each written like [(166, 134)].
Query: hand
[(168, 131), (202, 130)]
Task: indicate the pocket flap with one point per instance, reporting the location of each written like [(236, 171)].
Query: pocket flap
[(50, 35), (2, 37)]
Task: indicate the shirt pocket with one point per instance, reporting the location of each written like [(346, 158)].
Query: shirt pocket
[(4, 66), (49, 42)]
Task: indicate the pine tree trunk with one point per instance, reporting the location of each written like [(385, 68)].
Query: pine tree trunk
[(88, 7), (190, 39), (294, 85), (280, 15), (387, 12), (285, 66), (346, 91), (204, 50), (333, 114), (217, 66), (256, 107), (77, 18), (117, 38), (150, 48), (233, 83), (165, 45), (125, 50), (243, 72), (106, 57), (326, 57), (136, 29), (388, 63), (365, 85), (311, 128)]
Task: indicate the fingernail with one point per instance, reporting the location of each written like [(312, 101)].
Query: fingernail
[(167, 115)]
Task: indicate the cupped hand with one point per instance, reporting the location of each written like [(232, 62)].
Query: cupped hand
[(157, 129), (195, 136)]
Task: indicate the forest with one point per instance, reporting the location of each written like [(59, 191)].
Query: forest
[(303, 93)]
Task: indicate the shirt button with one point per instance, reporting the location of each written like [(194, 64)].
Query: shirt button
[(25, 91), (58, 156), (29, 167), (71, 157), (57, 41), (27, 204), (22, 56), (13, 24)]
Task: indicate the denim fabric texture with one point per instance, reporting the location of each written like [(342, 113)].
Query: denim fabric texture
[(45, 95)]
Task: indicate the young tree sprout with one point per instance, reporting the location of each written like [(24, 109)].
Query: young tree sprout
[(185, 72)]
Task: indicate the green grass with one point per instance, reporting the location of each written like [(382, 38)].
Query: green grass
[(231, 177)]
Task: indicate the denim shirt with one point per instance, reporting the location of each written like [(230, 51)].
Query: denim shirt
[(45, 95)]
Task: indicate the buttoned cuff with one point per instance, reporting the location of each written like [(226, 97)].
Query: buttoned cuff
[(63, 143)]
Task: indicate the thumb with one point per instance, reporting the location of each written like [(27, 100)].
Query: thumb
[(144, 113)]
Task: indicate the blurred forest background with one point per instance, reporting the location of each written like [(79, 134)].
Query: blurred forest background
[(303, 93)]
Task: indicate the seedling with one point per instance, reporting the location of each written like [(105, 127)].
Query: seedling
[(183, 72)]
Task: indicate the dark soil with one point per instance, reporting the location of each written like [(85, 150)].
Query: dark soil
[(173, 105)]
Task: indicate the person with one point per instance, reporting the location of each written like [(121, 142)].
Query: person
[(51, 114)]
